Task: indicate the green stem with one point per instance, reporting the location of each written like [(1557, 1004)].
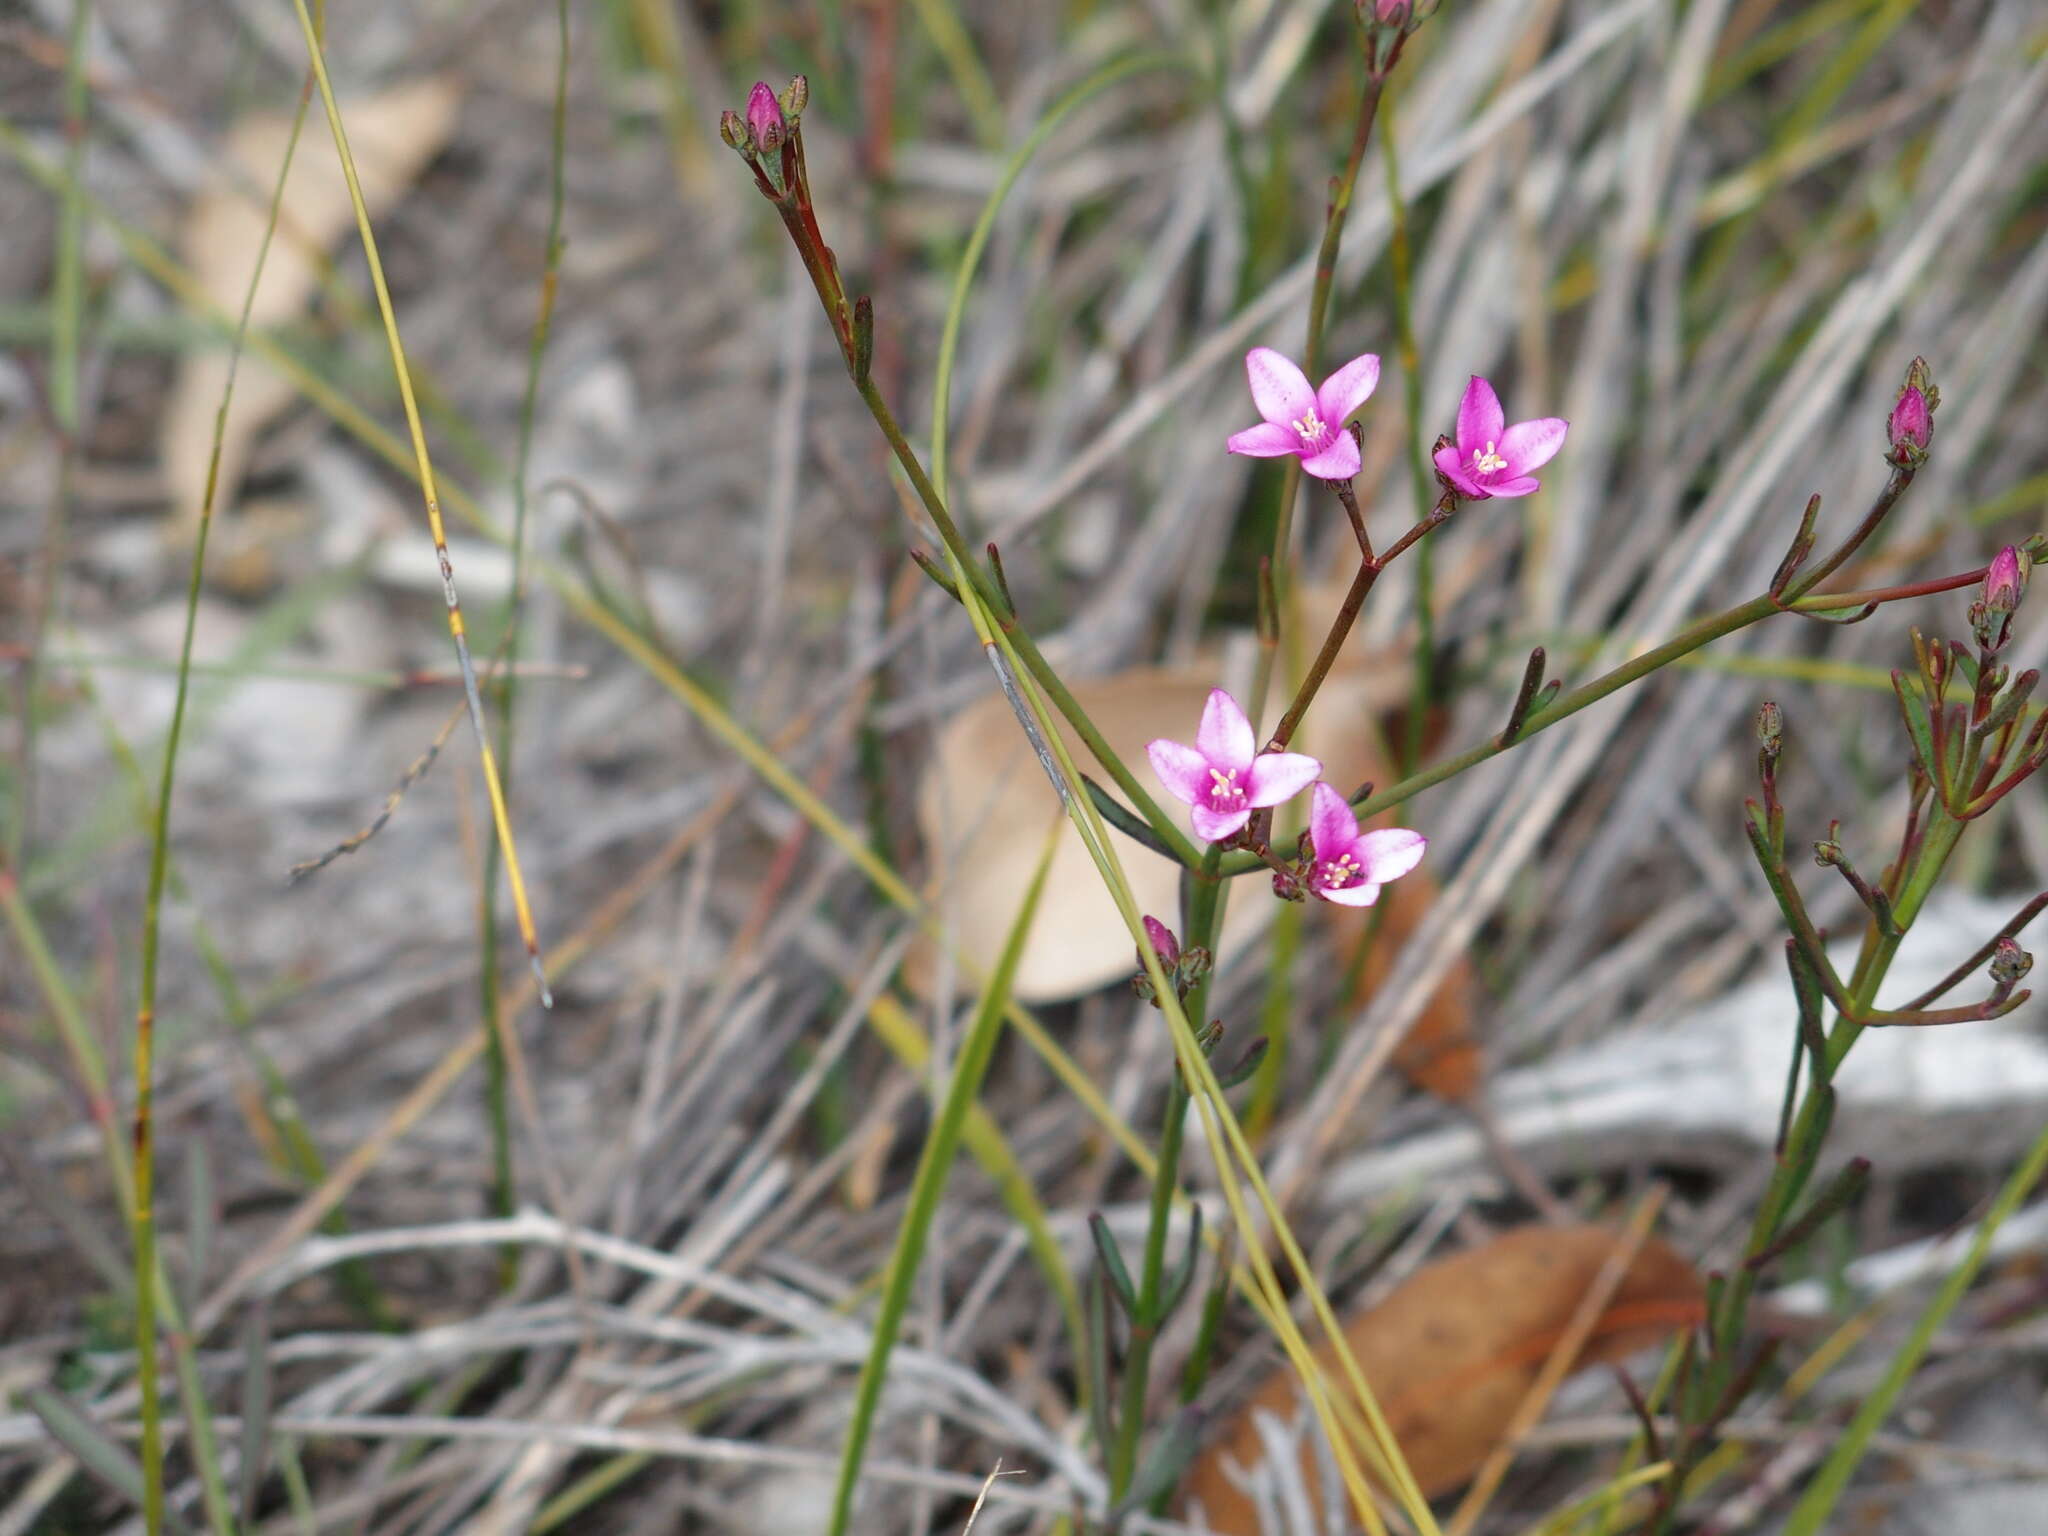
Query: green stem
[(67, 306), (1802, 1140), (1144, 1321), (1812, 1512), (1202, 918), (1418, 460), (497, 1077), (1345, 184), (1034, 660), (1705, 632)]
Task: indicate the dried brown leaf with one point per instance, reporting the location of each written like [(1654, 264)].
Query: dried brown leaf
[(1454, 1349)]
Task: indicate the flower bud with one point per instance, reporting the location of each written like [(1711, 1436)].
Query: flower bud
[(1164, 944), (2005, 581), (764, 118), (733, 129), (1770, 726), (1910, 427), (796, 96), (2009, 963)]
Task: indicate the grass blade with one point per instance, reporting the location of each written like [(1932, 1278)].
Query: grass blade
[(934, 1166), (98, 1452), (501, 819)]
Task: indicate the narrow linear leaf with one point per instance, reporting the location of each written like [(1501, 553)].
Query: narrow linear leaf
[(934, 1166), (97, 1451), (256, 1405)]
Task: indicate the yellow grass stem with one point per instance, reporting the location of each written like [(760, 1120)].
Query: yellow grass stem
[(500, 818)]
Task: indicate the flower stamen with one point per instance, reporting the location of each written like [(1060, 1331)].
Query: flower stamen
[(1310, 428), (1224, 789), (1488, 461)]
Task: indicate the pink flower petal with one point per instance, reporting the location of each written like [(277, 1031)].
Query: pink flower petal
[(1529, 445), (1183, 770), (1213, 827), (1268, 440), (1225, 736), (1454, 470), (1352, 895), (1347, 389), (1332, 829), (1521, 485), (1279, 389), (1479, 417), (1390, 852), (1277, 777), (1339, 461)]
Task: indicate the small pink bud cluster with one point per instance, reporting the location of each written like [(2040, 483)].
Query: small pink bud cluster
[(1386, 25), (1223, 777), (1910, 427), (769, 120), (1183, 968)]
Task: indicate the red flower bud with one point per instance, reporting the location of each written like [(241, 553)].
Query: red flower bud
[(764, 118), (1910, 427)]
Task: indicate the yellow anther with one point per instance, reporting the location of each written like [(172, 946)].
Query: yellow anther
[(1225, 785), (1488, 461)]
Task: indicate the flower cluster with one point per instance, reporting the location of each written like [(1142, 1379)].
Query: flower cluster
[(1223, 777), (1489, 460)]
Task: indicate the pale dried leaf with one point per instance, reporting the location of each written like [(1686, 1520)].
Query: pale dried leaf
[(984, 804), (392, 136)]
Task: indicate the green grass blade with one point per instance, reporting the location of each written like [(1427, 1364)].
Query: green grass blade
[(970, 76), (503, 1191), (934, 1165), (984, 226)]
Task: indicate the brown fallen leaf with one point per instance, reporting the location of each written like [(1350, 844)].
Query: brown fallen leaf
[(1454, 1349), (392, 136)]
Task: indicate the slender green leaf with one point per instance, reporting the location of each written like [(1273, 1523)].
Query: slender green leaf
[(97, 1451), (934, 1166)]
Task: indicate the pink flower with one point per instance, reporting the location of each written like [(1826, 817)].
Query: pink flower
[(1493, 459), (1223, 775), (764, 117), (1303, 421), (1164, 944), (1348, 866)]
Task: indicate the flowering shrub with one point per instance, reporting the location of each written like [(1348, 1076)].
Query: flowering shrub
[(1966, 756)]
